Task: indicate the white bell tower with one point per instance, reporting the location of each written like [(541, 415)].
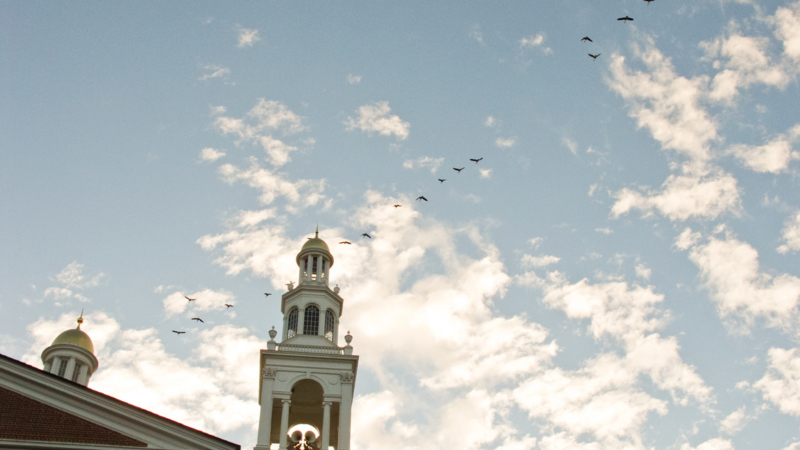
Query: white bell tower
[(307, 379)]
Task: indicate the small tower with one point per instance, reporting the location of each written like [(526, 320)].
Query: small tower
[(307, 379), (71, 356)]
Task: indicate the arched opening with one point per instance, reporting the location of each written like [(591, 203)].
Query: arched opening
[(306, 409), (291, 323), (329, 321), (311, 320)]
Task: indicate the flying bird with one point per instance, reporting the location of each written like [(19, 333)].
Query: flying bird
[(422, 198), (346, 242), (228, 306), (441, 180), (586, 38), (625, 19), (197, 319), (267, 294), (458, 170), (366, 235), (397, 206), (190, 299), (648, 2), (594, 56), (475, 160), (179, 332)]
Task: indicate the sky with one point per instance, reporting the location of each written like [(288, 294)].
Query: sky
[(618, 271)]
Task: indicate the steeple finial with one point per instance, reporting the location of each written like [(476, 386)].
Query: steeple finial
[(80, 319), (316, 234)]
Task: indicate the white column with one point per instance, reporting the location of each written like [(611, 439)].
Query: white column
[(326, 425), (48, 365), (327, 273), (265, 418), (285, 423), (344, 413), (301, 320), (320, 268), (70, 369), (56, 365), (310, 268), (300, 275), (83, 377)]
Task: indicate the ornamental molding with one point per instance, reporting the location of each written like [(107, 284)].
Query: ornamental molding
[(269, 372), (347, 377)]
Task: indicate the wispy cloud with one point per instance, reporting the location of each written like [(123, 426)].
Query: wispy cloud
[(377, 118), (424, 162), (214, 72), (247, 37), (476, 33), (211, 154), (530, 42), (354, 79), (505, 142)]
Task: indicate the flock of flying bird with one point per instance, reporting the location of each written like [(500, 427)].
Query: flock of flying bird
[(622, 19), (421, 197), (227, 305)]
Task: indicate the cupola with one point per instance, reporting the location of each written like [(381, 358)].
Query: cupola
[(71, 355)]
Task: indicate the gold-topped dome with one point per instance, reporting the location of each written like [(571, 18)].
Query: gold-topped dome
[(316, 242), (76, 336)]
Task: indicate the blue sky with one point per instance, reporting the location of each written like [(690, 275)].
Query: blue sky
[(619, 271)]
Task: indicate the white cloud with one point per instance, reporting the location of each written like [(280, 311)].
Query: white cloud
[(712, 444), (485, 173), (211, 154), (781, 384), (787, 29), (300, 194), (774, 156), (666, 104), (683, 197), (252, 218), (264, 116), (476, 33), (791, 234), (605, 230), (423, 162), (734, 422), (205, 300), (489, 121), (376, 118), (643, 271), (214, 72), (741, 292), (353, 79), (217, 110), (505, 143), (247, 37), (533, 42), (570, 144), (72, 277), (539, 261)]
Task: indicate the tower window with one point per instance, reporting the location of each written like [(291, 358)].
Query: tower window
[(314, 273), (76, 373), (292, 322), (329, 325), (311, 320), (62, 368)]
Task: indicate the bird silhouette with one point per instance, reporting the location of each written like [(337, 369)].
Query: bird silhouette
[(346, 242), (475, 160), (366, 235), (441, 180), (198, 319), (178, 332), (586, 38), (190, 299), (228, 306), (625, 19), (648, 2), (267, 294), (397, 206), (458, 170), (422, 198), (594, 56)]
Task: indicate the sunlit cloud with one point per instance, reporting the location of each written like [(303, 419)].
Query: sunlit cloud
[(376, 118)]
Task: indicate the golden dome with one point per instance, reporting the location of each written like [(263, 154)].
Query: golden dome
[(316, 242), (77, 337)]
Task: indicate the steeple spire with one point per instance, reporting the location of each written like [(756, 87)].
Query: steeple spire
[(80, 320)]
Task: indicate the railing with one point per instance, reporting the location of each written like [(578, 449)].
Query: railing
[(309, 349)]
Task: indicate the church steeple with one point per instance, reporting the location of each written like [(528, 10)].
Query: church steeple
[(306, 378)]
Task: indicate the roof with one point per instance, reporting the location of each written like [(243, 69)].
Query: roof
[(108, 411), (75, 336)]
